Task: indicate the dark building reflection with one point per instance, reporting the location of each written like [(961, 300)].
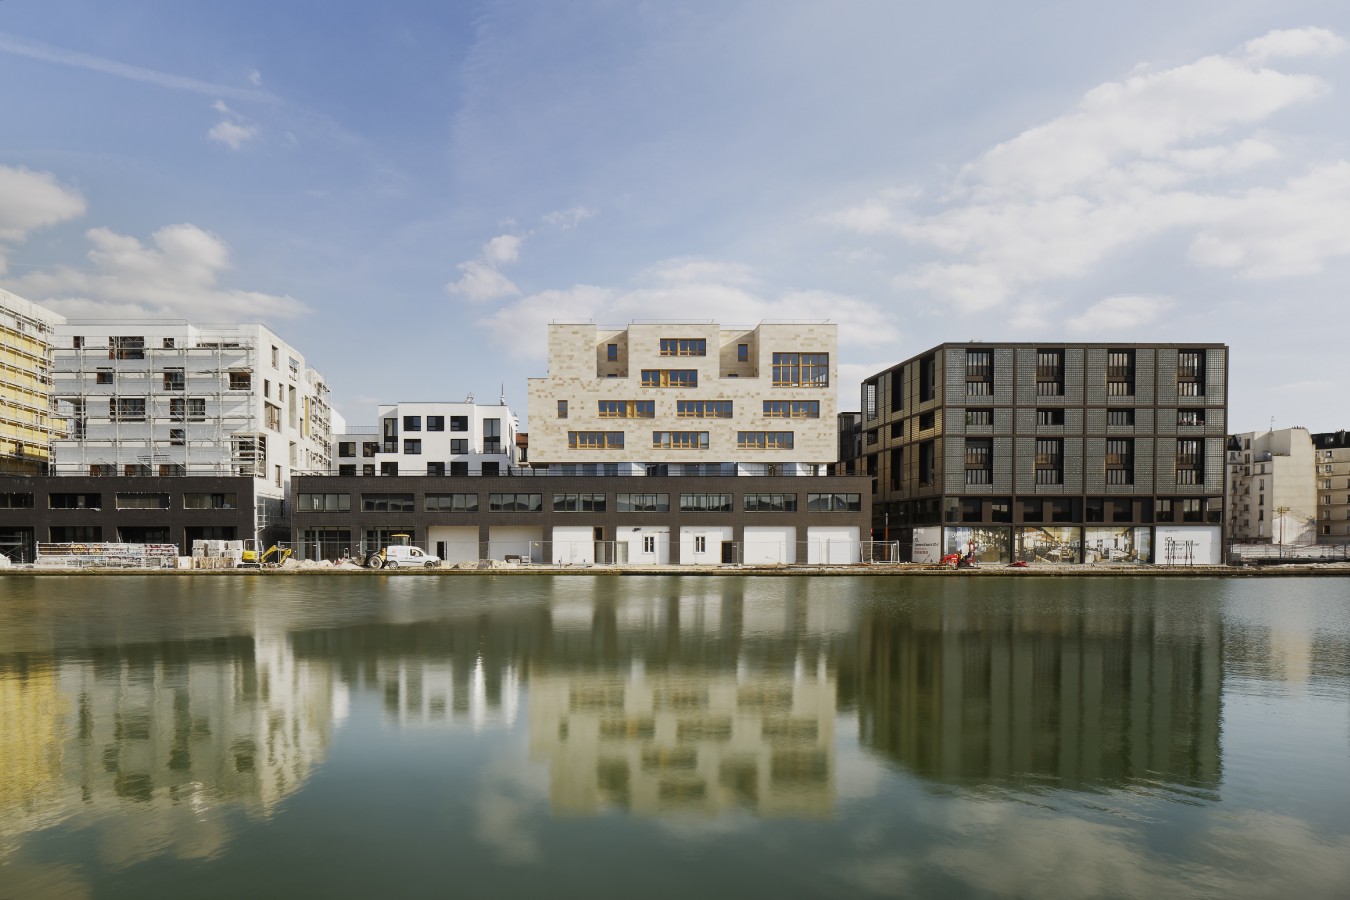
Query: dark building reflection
[(986, 691)]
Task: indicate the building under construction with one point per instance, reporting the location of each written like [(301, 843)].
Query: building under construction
[(26, 425)]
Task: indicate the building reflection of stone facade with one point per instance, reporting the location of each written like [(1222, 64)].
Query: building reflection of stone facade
[(155, 736), (985, 691)]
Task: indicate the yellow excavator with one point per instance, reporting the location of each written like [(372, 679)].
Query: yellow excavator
[(253, 558)]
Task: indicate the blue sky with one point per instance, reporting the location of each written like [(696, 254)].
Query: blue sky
[(409, 191)]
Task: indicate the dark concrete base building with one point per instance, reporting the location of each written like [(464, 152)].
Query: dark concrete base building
[(1053, 453), (123, 509), (583, 520)]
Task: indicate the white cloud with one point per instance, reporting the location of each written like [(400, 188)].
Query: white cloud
[(503, 249), (1119, 314), (566, 219), (34, 200), (255, 78), (1157, 151), (481, 282), (176, 277), (233, 129)]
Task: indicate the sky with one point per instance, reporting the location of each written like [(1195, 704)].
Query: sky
[(408, 192)]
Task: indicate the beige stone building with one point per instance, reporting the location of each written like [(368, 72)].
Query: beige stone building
[(1332, 462), (26, 425), (686, 398), (1271, 493)]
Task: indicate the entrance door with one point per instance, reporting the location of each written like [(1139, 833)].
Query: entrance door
[(728, 553)]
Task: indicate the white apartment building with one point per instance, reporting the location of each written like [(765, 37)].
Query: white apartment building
[(686, 398), (169, 398), (1271, 494), (431, 438)]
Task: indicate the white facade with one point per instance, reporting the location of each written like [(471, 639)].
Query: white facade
[(431, 438), (1271, 487), (687, 398), (169, 398)]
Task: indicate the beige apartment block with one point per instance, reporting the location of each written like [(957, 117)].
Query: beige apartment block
[(1271, 493), (1332, 462), (711, 400), (26, 425)]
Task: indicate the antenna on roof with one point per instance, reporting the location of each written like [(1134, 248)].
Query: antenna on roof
[(503, 400), (469, 399)]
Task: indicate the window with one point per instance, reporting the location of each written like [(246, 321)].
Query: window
[(16, 501), (927, 421), (389, 468), (612, 352), (703, 409), (1049, 373), (174, 380), (1049, 461), (74, 501), (178, 437), (103, 376), (680, 440), (764, 440), (665, 378), (700, 543), (1190, 417), (347, 471), (578, 502), (926, 463), (412, 447), (272, 416), (1120, 373), (395, 503), (649, 543), (436, 469), (1191, 461), (76, 534), (979, 417), (135, 470), (459, 423), (367, 469), (492, 435), (562, 409), (1049, 417), (979, 373), (1120, 461), (324, 502), (684, 347), (979, 461), (126, 347), (77, 342), (412, 423), (742, 353), (515, 502), (705, 503), (834, 502), (1191, 373), (459, 446), (346, 448), (369, 449), (1192, 510), (801, 369), (210, 501), (276, 358), (1120, 417), (595, 440), (792, 409), (770, 502), (452, 502), (927, 378), (168, 344), (127, 409), (435, 423), (869, 403), (642, 503), (627, 409), (188, 409)]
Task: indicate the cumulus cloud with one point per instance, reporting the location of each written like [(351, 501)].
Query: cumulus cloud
[(1158, 151), (233, 130), (504, 248), (481, 279), (566, 219), (176, 276), (34, 200)]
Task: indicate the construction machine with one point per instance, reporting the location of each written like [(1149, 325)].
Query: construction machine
[(271, 558)]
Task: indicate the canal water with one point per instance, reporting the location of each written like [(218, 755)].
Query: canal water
[(674, 736)]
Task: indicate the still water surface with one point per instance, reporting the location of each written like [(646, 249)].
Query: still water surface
[(669, 737)]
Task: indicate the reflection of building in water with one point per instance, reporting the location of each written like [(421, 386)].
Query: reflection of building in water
[(1086, 698), (31, 708), (703, 741), (455, 691), (144, 731)]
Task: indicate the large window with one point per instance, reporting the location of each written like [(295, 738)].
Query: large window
[(127, 409), (764, 440), (703, 409), (346, 448), (834, 502), (680, 440), (979, 418), (459, 423), (1120, 373), (684, 347), (670, 378), (126, 347), (1049, 461), (435, 423), (1120, 461), (324, 502), (412, 423), (642, 503), (142, 501), (397, 503), (515, 502), (188, 409), (595, 440), (705, 503), (627, 409), (578, 502), (979, 373), (801, 369), (1120, 417), (1191, 416), (412, 446), (1049, 416), (979, 461), (211, 501), (793, 409), (770, 502), (1191, 461), (1191, 373), (174, 380), (16, 501), (1049, 373), (452, 502)]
